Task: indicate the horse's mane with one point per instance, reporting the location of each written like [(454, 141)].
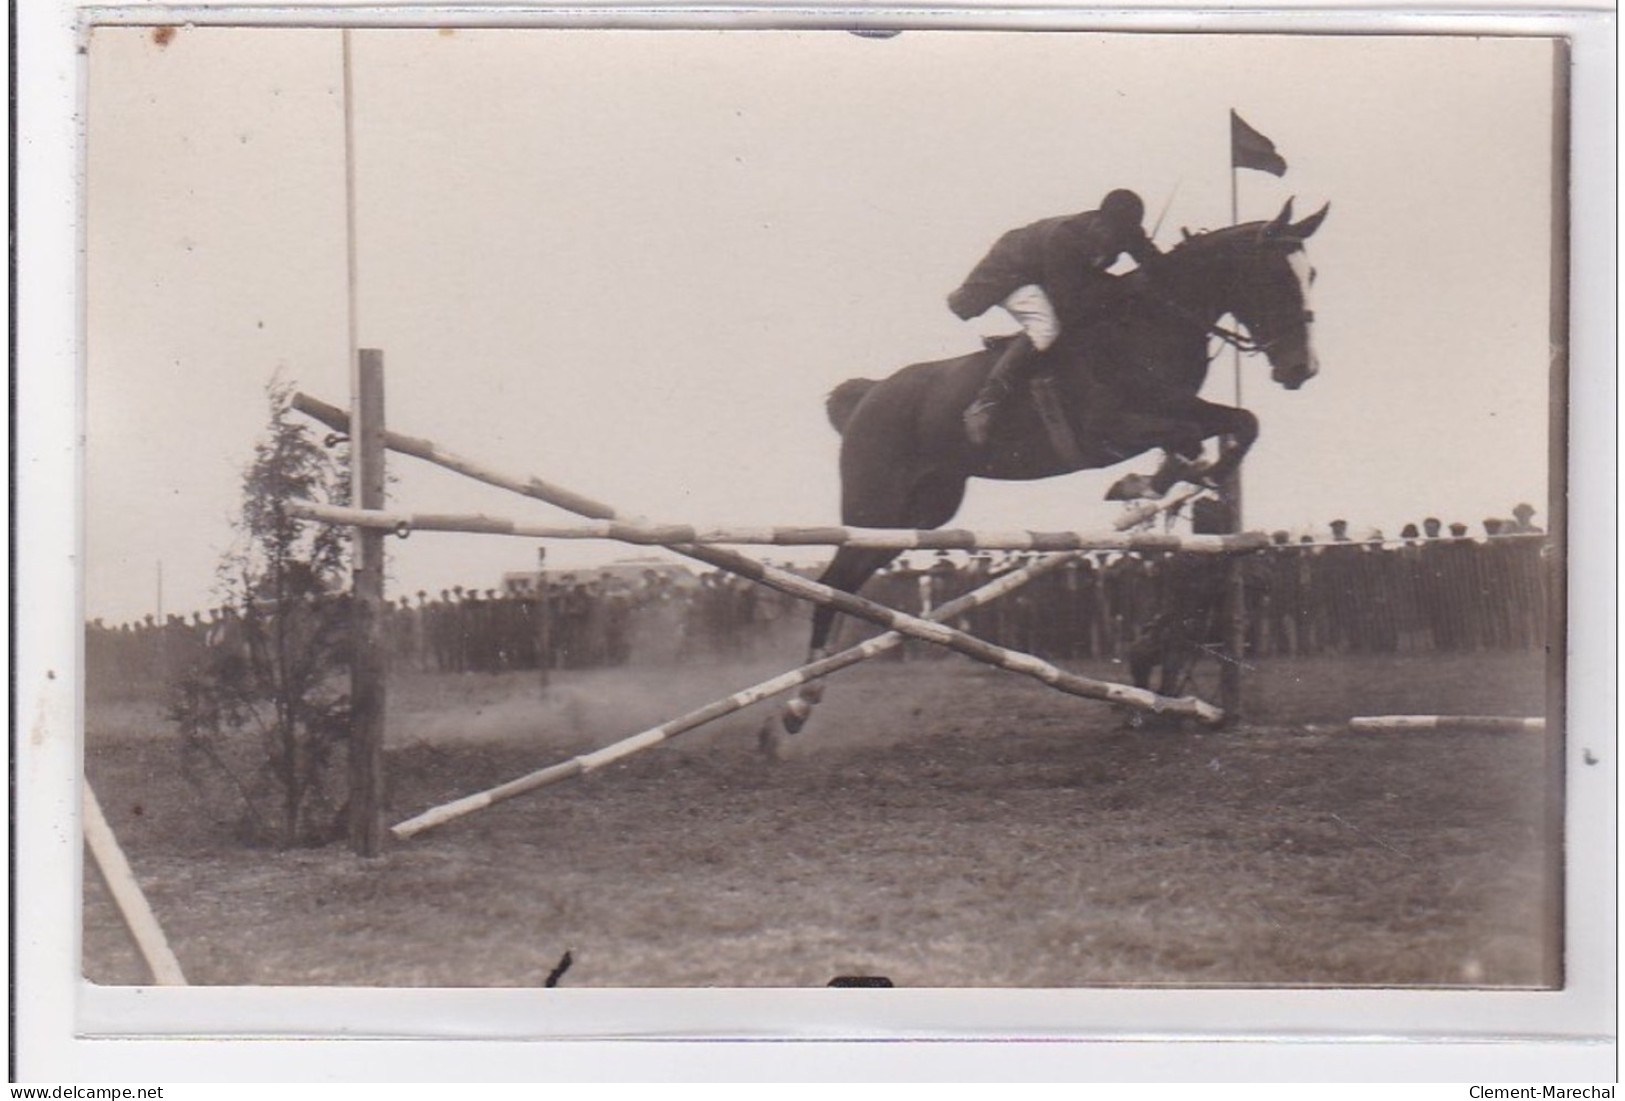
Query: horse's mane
[(1213, 238), (1246, 232)]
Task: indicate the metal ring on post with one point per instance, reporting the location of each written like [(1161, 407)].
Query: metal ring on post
[(402, 530), (333, 439)]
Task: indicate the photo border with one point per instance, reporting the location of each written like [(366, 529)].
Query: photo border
[(214, 1033)]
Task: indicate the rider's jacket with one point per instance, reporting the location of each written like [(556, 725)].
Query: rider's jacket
[(1066, 255)]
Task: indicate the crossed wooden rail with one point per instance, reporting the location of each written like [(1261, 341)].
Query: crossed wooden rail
[(931, 629)]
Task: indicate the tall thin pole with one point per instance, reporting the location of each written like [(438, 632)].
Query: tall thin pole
[(160, 590), (1235, 219), (1230, 491), (367, 483), (349, 213), (1235, 586)]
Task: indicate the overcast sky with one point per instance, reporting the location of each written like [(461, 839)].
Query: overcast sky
[(634, 262)]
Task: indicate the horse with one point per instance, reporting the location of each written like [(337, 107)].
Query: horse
[(905, 459)]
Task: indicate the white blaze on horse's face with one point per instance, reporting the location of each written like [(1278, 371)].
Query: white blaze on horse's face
[(1291, 353), (1299, 262)]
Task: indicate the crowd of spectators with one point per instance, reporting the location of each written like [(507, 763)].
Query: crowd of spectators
[(1444, 593), (1433, 589), (580, 621)]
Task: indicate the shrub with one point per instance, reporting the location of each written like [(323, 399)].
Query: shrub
[(263, 713)]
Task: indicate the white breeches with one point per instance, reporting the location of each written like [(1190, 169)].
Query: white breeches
[(1031, 307)]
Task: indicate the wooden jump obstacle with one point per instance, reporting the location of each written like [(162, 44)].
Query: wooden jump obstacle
[(587, 762), (796, 585), (930, 629), (901, 539)]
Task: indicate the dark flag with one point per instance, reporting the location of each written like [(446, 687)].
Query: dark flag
[(1250, 149)]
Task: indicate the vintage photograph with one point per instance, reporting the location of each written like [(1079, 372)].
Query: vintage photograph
[(744, 508)]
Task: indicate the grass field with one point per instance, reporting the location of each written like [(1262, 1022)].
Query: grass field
[(938, 823)]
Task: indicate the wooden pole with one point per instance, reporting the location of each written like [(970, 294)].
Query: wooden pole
[(1235, 643), (351, 321), (1379, 724), (661, 535), (1235, 581), (1230, 491), (367, 596), (542, 623), (648, 739), (786, 582), (121, 881)]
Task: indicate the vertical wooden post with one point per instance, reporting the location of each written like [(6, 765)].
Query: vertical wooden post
[(543, 622), (1235, 655), (1222, 517), (367, 597)]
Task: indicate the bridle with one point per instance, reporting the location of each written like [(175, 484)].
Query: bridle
[(1241, 341), (1244, 342)]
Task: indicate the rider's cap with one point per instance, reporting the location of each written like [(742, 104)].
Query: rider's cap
[(1123, 206)]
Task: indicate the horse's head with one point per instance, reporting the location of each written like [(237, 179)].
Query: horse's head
[(1260, 274), (1271, 295)]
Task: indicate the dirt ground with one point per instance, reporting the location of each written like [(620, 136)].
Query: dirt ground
[(939, 823)]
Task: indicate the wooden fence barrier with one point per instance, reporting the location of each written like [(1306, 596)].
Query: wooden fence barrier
[(580, 765), (661, 535), (784, 581)]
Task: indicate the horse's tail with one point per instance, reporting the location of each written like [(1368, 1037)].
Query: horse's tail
[(844, 399)]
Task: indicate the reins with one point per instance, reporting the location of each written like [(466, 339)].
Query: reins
[(1241, 341)]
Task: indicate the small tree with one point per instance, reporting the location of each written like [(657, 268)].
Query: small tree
[(266, 708)]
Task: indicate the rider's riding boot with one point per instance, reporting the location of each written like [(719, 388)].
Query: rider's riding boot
[(1010, 369)]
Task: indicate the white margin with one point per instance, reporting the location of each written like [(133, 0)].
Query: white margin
[(1085, 1034)]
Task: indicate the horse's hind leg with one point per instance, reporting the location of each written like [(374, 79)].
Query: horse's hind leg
[(851, 567), (930, 502)]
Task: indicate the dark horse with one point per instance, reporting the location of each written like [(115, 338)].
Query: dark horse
[(905, 458)]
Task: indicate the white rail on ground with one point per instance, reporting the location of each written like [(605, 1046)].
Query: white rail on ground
[(121, 881), (647, 739)]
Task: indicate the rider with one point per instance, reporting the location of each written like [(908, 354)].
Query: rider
[(1058, 264)]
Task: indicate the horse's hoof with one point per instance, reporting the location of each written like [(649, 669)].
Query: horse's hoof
[(795, 715)]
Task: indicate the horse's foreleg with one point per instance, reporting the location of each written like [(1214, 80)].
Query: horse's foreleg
[(1206, 421), (1240, 428)]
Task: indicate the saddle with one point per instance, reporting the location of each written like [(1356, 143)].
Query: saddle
[(1047, 402)]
